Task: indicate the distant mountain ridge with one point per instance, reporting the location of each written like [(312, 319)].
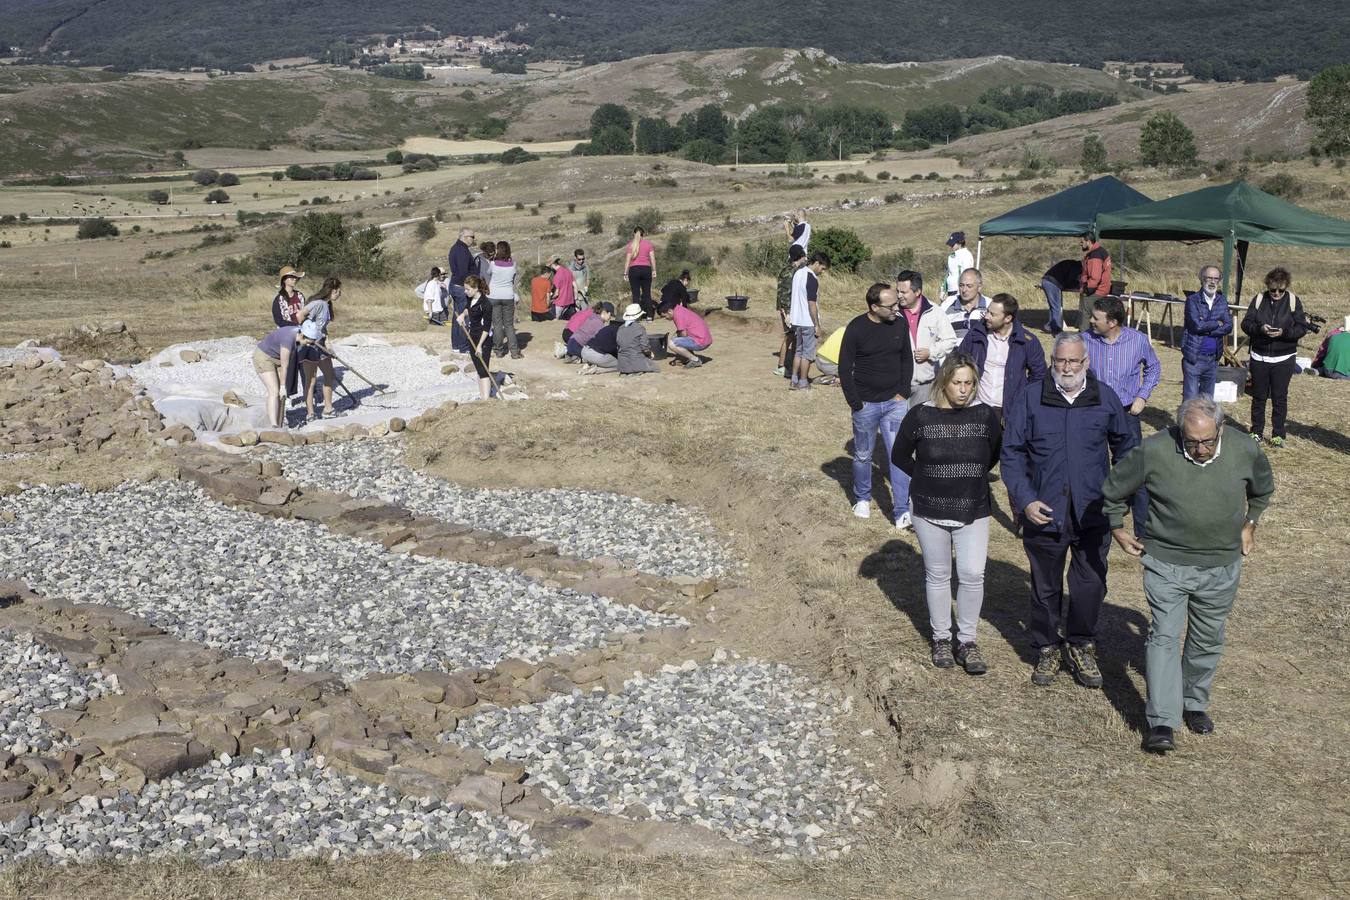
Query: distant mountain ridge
[(1232, 39)]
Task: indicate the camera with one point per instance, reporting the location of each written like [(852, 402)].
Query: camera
[(1315, 323)]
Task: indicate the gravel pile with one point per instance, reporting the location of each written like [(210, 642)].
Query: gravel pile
[(264, 807), (34, 680), (294, 591), (661, 539), (746, 749)]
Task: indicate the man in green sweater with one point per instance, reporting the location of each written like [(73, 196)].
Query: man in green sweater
[(1207, 489)]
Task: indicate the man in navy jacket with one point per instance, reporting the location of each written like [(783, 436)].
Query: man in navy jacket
[(1061, 438), (1208, 322), (1021, 361)]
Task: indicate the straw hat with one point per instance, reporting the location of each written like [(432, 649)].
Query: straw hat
[(287, 271), (632, 312)]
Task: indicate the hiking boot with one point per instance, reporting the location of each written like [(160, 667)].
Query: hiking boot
[(1277, 441), (1082, 659), (1047, 667), (970, 657), (693, 363), (942, 653)]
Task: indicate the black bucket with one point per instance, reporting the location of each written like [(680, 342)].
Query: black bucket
[(737, 302), (693, 296), (658, 344)]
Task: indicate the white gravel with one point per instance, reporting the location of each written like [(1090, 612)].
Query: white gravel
[(259, 807), (662, 539), (265, 588), (747, 749), (34, 680)]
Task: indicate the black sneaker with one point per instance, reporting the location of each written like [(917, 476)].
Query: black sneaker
[(1047, 667), (1082, 661), (970, 657), (942, 654)]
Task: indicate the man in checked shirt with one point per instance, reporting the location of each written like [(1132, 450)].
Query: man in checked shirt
[(1124, 359)]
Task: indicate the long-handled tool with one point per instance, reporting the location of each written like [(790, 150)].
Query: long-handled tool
[(379, 389), (496, 389)]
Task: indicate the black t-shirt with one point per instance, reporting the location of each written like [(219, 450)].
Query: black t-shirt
[(1065, 273), (674, 292), (875, 361), (606, 340)]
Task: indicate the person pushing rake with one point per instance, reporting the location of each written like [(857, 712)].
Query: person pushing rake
[(476, 320)]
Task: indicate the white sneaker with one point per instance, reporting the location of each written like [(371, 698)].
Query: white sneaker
[(559, 350), (904, 522), (863, 509)]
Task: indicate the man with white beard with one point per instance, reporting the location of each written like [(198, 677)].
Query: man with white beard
[(1059, 442)]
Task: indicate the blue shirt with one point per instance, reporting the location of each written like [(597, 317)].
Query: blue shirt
[(1129, 366)]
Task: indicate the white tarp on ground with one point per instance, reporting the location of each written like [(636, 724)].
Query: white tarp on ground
[(193, 392)]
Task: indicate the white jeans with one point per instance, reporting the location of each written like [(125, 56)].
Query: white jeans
[(971, 545)]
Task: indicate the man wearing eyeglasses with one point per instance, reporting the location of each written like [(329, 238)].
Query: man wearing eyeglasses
[(461, 267), (1060, 438), (1208, 322), (581, 276), (1208, 487)]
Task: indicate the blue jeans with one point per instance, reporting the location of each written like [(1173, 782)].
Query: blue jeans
[(1197, 378), (1055, 297), (886, 418), (459, 301)]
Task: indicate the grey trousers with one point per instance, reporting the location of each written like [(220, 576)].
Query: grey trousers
[(971, 546), (1196, 599), (504, 325), (596, 358)]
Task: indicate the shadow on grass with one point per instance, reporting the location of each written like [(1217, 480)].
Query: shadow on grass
[(897, 569), (1331, 440), (840, 469)]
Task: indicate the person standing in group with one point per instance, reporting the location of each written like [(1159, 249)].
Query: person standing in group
[(1065, 275), (958, 260), (930, 333), (564, 290), (502, 293), (1058, 443), (796, 259), (461, 263), (1124, 359), (1274, 323), (1208, 487), (635, 348), (804, 317), (486, 251), (288, 302), (1208, 322), (581, 277), (969, 304), (541, 295), (692, 336), (476, 320), (434, 293), (947, 447), (639, 267), (1094, 280), (1006, 355), (318, 313), (798, 232), (876, 367)]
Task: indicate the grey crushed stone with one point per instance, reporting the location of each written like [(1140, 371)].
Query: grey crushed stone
[(34, 680)]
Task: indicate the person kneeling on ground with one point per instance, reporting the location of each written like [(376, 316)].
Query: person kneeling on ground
[(274, 359), (691, 335), (635, 348), (476, 320), (601, 352), (827, 357), (948, 446), (541, 295), (584, 326)]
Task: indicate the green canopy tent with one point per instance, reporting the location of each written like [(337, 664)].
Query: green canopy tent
[(1237, 214), (1070, 213)]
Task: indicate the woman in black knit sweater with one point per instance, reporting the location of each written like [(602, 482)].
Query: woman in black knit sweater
[(948, 446)]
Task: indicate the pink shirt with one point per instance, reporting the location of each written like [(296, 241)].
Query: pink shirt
[(692, 325), (644, 253), (564, 282), (912, 317), (576, 321)]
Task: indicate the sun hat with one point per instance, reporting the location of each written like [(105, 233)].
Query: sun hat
[(956, 237), (312, 330), (632, 312), (288, 270)]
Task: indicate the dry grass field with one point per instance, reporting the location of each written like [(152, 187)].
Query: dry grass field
[(996, 788)]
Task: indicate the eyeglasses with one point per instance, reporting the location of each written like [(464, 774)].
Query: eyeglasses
[(1071, 363), (887, 305), (1192, 444), (1276, 292), (1213, 278)]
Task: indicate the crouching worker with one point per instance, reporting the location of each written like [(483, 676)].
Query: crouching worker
[(827, 357), (601, 353), (584, 326), (476, 320), (691, 334), (635, 348), (275, 360)]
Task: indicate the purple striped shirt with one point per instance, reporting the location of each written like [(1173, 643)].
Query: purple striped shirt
[(1129, 365)]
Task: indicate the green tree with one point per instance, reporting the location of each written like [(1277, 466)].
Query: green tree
[(1166, 141), (96, 228), (323, 242), (227, 179), (217, 196), (1094, 155), (1329, 109), (704, 151), (205, 176), (612, 141), (938, 123), (707, 123), (845, 249), (159, 198), (394, 157), (611, 115), (655, 135), (763, 138)]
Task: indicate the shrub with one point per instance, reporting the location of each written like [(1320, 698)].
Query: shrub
[(426, 230), (661, 181), (1093, 159), (1336, 193), (516, 155), (595, 222), (883, 175), (227, 179), (96, 228), (324, 242), (648, 217), (205, 176), (571, 207), (394, 157), (894, 197), (217, 196), (765, 256), (884, 266), (1166, 141), (1282, 184), (846, 250), (159, 198)]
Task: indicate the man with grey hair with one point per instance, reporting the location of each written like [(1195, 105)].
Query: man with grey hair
[(1208, 487), (1208, 322), (969, 304), (1059, 440), (461, 267)]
